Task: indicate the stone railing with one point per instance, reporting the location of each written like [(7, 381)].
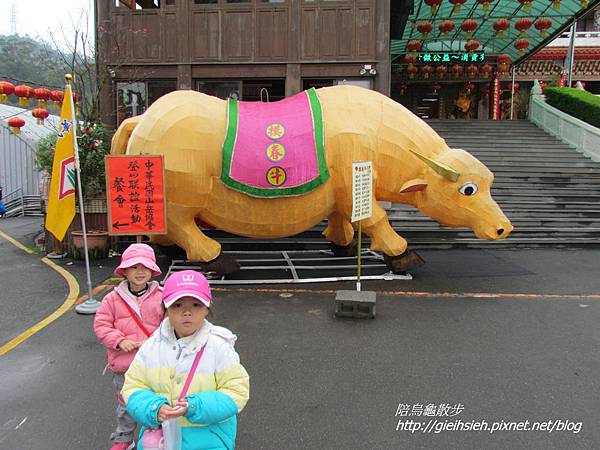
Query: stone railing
[(584, 137)]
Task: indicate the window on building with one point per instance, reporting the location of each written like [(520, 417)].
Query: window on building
[(158, 88), (221, 89), (237, 1), (131, 100), (263, 90), (317, 83), (272, 1), (205, 2), (142, 4)]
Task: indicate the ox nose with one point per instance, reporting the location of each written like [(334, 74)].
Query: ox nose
[(500, 231)]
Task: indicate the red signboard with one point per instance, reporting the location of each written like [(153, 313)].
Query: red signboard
[(136, 195)]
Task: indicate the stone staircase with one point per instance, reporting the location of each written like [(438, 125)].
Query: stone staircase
[(550, 192)]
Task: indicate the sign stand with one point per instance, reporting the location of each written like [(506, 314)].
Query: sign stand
[(359, 304)]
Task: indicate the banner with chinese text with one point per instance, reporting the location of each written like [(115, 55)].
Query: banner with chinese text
[(136, 198)]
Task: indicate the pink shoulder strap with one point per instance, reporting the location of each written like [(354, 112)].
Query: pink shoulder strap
[(188, 380)]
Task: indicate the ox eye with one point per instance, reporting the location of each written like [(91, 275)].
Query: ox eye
[(468, 188)]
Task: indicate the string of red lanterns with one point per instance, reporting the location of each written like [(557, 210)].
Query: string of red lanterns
[(42, 95)]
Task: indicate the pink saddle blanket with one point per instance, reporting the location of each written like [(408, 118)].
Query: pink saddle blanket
[(275, 149)]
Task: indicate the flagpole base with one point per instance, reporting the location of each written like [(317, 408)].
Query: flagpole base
[(90, 306), (54, 255)]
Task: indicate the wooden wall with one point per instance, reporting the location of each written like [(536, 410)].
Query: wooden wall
[(294, 31)]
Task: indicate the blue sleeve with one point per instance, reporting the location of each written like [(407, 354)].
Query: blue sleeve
[(143, 406), (210, 407)]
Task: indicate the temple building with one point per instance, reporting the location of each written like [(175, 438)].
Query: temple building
[(440, 58)]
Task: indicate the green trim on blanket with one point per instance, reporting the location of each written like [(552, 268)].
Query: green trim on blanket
[(229, 145)]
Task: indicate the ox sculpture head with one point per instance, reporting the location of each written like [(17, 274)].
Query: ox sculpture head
[(455, 190)]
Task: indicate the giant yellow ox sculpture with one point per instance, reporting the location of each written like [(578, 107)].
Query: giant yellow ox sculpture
[(412, 165)]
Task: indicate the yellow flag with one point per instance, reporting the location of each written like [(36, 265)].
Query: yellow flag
[(61, 199)]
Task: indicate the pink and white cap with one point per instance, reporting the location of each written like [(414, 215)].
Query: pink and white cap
[(187, 283), (138, 254)]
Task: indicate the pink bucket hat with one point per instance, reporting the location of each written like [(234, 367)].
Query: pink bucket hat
[(138, 254), (187, 283)]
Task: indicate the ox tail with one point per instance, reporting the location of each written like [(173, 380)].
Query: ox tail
[(122, 135)]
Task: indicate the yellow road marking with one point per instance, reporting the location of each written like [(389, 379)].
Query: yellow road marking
[(16, 243), (68, 303)]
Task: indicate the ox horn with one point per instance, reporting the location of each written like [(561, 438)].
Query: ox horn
[(440, 168)]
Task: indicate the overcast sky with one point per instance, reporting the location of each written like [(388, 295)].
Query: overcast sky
[(45, 17)]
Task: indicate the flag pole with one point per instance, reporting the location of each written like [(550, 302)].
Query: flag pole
[(90, 306)]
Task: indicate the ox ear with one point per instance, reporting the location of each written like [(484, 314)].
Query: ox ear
[(414, 185), (440, 168)]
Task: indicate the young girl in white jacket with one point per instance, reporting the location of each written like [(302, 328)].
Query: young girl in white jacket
[(219, 386)]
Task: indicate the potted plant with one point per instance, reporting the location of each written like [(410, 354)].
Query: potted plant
[(93, 140)]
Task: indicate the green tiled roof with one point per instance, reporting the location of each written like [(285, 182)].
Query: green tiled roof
[(485, 34)]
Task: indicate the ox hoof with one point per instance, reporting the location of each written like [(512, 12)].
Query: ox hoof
[(222, 265), (406, 261), (345, 250)]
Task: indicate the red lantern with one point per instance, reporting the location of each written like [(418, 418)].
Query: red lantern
[(504, 62), (433, 4), (468, 26), (472, 70), (471, 46), (446, 26), (457, 4), (425, 28), (469, 87), (436, 88), (457, 70), (543, 24), (6, 89), (523, 25), (40, 114), (410, 59), (57, 97), (486, 70), (412, 71), (24, 93), (426, 70), (514, 86), (441, 71), (501, 25), (521, 45), (486, 4), (414, 47), (42, 95), (556, 4), (15, 123), (526, 5)]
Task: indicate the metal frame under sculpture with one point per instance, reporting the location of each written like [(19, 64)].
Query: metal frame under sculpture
[(412, 165)]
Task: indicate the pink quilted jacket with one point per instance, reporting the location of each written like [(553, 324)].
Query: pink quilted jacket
[(113, 322)]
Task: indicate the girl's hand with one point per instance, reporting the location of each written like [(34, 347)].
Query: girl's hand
[(182, 407), (167, 412), (127, 346)]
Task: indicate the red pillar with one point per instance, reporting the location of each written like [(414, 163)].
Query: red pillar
[(495, 99)]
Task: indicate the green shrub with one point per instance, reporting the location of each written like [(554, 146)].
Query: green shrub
[(94, 142), (575, 102)]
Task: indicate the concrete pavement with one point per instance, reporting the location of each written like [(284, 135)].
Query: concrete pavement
[(320, 382)]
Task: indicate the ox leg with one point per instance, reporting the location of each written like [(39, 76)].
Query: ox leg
[(341, 234), (185, 233), (198, 247), (393, 246)]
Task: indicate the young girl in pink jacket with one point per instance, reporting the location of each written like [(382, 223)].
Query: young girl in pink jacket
[(129, 314)]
